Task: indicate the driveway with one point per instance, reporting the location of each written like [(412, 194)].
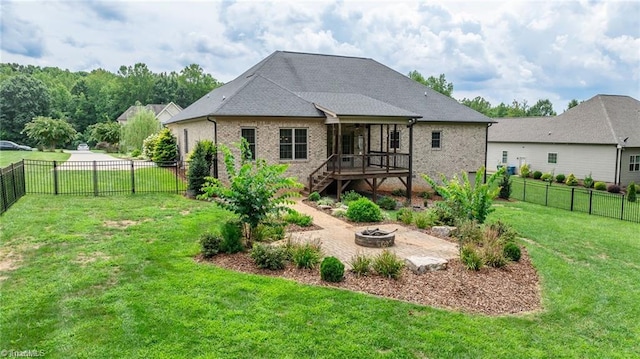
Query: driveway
[(89, 156), (338, 238)]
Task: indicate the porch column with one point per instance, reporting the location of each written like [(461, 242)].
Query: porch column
[(339, 150), (368, 139), (388, 138), (410, 177)]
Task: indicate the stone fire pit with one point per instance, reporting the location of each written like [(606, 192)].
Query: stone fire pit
[(375, 238)]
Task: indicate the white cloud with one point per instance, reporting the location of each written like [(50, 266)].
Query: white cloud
[(499, 50)]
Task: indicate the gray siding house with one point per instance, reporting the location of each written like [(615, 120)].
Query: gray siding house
[(600, 136), (337, 119)]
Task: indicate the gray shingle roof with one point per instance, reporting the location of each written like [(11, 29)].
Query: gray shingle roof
[(132, 110), (603, 119), (289, 83)]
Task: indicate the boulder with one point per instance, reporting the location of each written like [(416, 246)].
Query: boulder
[(442, 231), (421, 265)]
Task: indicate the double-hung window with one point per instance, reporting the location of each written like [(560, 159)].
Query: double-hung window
[(634, 163), (293, 143), (436, 139), (552, 157), (505, 156), (394, 140), (249, 134)]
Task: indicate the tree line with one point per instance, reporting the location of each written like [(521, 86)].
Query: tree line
[(87, 98), (543, 107)]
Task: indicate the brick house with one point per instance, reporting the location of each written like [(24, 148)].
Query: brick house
[(337, 119)]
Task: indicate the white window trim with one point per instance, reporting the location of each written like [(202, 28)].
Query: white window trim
[(549, 158), (634, 160), (255, 138)]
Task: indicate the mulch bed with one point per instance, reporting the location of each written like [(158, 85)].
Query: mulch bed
[(513, 289)]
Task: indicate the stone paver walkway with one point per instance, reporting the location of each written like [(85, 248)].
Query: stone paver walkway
[(338, 238)]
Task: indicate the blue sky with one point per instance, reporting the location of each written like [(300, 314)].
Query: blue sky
[(499, 50)]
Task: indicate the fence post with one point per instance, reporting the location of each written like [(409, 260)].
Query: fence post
[(590, 200), (55, 177), (133, 178), (176, 169), (546, 195), (622, 209), (4, 192), (13, 177), (95, 178), (573, 191), (24, 178)]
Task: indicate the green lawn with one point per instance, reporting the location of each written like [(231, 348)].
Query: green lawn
[(115, 277), (9, 157)]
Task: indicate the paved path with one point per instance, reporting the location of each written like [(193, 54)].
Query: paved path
[(338, 238), (89, 156), (113, 163)]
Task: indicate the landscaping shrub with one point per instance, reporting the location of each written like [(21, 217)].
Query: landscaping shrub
[(136, 153), (210, 244), (613, 188), (340, 213), (331, 269), (525, 171), (363, 210), (360, 264), (505, 186), (166, 149), (470, 257), (600, 186), (388, 264), (231, 232), (326, 201), (314, 196), (200, 165), (571, 180), (446, 215), (588, 181), (560, 178), (425, 219), (469, 231), (350, 196), (512, 251), (269, 232), (493, 249), (268, 256), (298, 218), (425, 195), (149, 145), (467, 200), (537, 175), (399, 192), (306, 255), (387, 203), (547, 177), (505, 232), (631, 192), (405, 215)]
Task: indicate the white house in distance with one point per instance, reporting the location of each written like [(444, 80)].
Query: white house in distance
[(600, 136), (163, 112)]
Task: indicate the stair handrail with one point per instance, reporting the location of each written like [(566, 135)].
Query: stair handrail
[(318, 169)]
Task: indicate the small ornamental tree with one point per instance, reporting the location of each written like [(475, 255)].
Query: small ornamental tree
[(138, 128), (166, 148), (631, 192), (255, 189), (105, 132), (505, 186), (200, 165), (467, 201), (50, 132)]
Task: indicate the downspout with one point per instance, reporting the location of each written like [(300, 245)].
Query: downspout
[(486, 150), (215, 146), (618, 164)]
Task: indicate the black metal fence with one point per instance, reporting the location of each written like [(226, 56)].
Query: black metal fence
[(102, 177), (578, 199), (12, 185)]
